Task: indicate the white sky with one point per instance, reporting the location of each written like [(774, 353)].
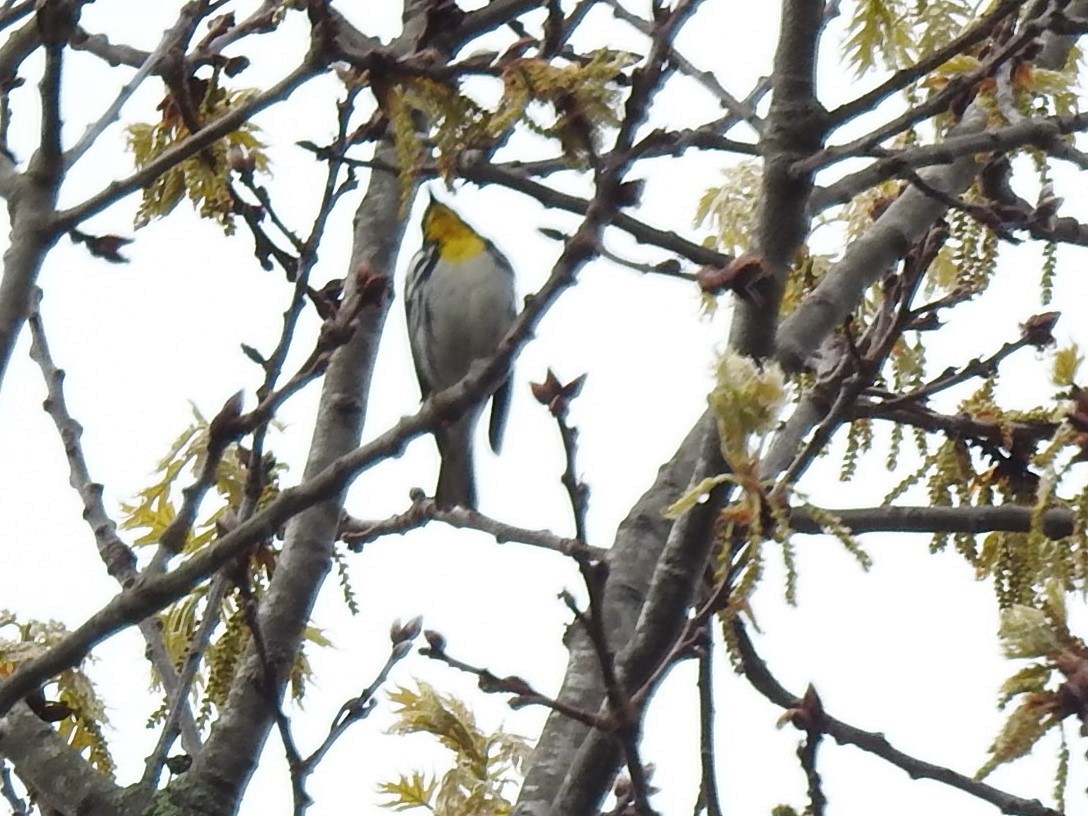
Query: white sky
[(908, 649)]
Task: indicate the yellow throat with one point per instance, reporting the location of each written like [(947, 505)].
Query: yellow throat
[(456, 240)]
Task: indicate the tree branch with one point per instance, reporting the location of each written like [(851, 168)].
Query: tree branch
[(118, 557), (874, 743), (1056, 523), (1043, 133), (56, 772), (905, 77), (191, 146)]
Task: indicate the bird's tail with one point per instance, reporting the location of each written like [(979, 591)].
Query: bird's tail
[(456, 477)]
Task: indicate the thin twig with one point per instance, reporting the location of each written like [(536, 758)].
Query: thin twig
[(577, 490), (757, 672), (490, 683), (110, 114), (357, 533), (177, 704), (118, 557), (12, 13), (739, 110), (709, 798), (359, 708), (268, 684), (965, 83), (951, 377)]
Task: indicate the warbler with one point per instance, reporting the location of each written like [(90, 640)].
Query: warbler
[(459, 300)]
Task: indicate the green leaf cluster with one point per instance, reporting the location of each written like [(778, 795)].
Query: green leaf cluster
[(746, 400), (156, 508), (204, 178), (82, 728), (893, 34), (729, 211), (1048, 689), (486, 766)]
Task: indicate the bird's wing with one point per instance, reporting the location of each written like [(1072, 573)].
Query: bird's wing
[(418, 271)]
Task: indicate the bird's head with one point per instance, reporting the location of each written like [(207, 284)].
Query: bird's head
[(456, 240)]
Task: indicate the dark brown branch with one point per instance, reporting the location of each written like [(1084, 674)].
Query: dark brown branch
[(959, 426), (491, 16), (490, 683), (621, 711), (709, 799), (1057, 523), (16, 13), (874, 743), (952, 377), (741, 111), (577, 490), (554, 199)]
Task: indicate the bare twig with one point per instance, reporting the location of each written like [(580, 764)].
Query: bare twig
[(766, 684), (118, 557), (623, 712), (272, 670), (359, 708), (809, 717), (490, 683), (557, 397), (951, 377), (741, 111), (709, 799), (178, 702), (357, 533), (13, 13), (113, 110)]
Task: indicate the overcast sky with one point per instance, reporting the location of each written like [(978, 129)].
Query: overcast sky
[(908, 649)]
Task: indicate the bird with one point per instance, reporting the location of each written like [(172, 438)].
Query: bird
[(459, 303)]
